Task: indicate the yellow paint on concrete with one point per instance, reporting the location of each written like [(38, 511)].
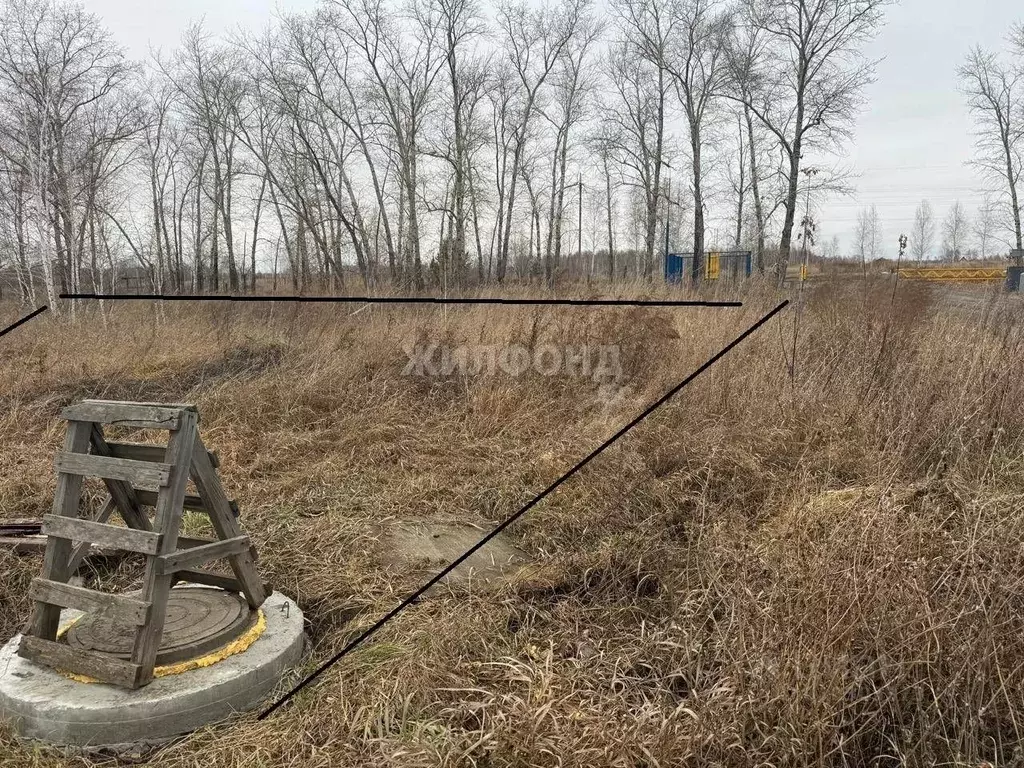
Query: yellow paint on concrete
[(238, 645)]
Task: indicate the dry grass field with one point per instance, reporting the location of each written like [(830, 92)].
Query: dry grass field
[(810, 565)]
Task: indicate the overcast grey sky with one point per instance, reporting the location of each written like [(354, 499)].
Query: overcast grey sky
[(912, 141), (914, 138)]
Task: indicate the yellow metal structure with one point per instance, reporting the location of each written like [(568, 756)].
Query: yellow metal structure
[(954, 274), (714, 265), (803, 271)]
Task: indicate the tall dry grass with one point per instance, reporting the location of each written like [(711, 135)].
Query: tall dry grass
[(809, 559)]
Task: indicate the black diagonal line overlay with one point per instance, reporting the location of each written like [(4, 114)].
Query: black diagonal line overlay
[(512, 518), (24, 320), (407, 300)]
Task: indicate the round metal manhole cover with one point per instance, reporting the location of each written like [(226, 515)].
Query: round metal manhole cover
[(198, 621)]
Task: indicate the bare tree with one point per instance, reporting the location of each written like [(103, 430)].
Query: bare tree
[(868, 235), (402, 70), (744, 54), (262, 125), (461, 22), (955, 228), (985, 226), (308, 91), (68, 114), (528, 170), (534, 40), (15, 199), (570, 86), (699, 68), (995, 93), (160, 147), (376, 135), (922, 236), (606, 142), (344, 90), (501, 94), (809, 77), (739, 181), (209, 87), (640, 75), (830, 250)]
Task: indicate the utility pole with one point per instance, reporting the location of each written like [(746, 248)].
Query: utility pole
[(807, 235), (808, 172)]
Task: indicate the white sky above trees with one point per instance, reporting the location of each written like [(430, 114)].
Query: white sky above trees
[(913, 139)]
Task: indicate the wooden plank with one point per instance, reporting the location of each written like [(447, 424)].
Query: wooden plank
[(193, 556), (192, 502), (109, 669), (117, 607), (141, 474), (121, 492), (20, 527), (141, 415), (45, 617), (167, 521), (149, 499), (82, 549), (103, 534), (21, 545), (137, 451), (143, 451), (184, 542), (149, 404), (225, 523), (214, 579)]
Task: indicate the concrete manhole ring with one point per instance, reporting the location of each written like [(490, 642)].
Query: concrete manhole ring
[(198, 621), (42, 703)]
